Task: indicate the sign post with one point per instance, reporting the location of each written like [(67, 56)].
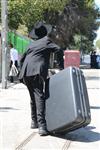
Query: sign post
[(4, 42)]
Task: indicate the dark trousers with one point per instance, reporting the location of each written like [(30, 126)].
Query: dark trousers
[(16, 64), (35, 88)]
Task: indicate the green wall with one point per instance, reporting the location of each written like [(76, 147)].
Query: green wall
[(18, 41)]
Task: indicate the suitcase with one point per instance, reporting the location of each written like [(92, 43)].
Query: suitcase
[(67, 107)]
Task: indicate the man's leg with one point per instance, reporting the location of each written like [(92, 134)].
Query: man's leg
[(40, 105), (11, 77), (30, 85)]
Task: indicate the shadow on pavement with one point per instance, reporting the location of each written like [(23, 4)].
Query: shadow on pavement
[(92, 78), (94, 107), (6, 109), (82, 135)]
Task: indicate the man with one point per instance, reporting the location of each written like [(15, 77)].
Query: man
[(93, 57), (13, 58), (34, 71)]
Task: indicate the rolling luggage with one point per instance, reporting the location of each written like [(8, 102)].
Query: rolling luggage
[(67, 107)]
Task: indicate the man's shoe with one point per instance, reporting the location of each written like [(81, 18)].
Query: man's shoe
[(43, 131), (34, 125)]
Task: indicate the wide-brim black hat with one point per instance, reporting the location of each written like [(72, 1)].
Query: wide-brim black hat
[(40, 30)]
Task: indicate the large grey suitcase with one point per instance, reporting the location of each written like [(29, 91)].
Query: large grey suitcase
[(67, 107)]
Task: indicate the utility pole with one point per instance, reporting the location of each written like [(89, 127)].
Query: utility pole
[(4, 42)]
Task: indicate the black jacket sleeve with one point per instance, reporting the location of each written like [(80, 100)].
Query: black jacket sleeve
[(58, 52), (54, 47), (22, 59)]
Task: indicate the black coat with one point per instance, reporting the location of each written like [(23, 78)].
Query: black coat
[(36, 59)]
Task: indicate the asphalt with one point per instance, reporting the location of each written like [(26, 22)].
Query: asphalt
[(15, 132)]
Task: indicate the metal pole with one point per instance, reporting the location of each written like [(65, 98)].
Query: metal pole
[(81, 48), (0, 56), (4, 42)]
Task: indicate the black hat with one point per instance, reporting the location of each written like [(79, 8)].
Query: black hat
[(40, 30)]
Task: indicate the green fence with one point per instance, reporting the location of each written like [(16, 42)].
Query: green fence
[(18, 41)]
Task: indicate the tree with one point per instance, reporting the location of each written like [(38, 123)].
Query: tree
[(77, 17), (28, 12), (87, 24), (98, 43), (70, 17), (15, 12)]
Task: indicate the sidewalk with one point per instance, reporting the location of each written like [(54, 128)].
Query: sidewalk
[(15, 132)]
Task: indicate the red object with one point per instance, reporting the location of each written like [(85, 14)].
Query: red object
[(71, 58)]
